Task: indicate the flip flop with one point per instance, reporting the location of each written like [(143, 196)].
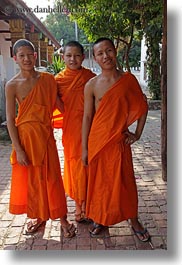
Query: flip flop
[(140, 234), (95, 229), (33, 227), (69, 230)]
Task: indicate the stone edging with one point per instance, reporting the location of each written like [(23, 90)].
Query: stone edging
[(154, 104)]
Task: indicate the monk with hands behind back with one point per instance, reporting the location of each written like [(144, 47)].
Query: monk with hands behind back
[(36, 185)]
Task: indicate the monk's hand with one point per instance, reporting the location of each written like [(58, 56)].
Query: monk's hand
[(145, 97), (22, 158), (85, 157), (130, 137), (59, 104)]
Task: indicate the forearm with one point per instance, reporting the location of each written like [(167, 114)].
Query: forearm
[(85, 132), (140, 125), (13, 133), (59, 104), (22, 158), (133, 137)]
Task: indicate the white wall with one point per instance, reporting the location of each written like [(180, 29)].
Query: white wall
[(4, 66), (143, 77), (12, 68), (5, 44), (92, 65)]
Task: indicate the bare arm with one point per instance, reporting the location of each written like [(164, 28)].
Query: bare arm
[(87, 120), (132, 137), (13, 132), (140, 125), (59, 104)]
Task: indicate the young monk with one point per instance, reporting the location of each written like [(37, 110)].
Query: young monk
[(113, 101), (71, 82), (36, 186)]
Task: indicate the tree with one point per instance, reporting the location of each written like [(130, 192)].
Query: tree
[(120, 20), (62, 28), (134, 55), (164, 94), (151, 23), (114, 19)]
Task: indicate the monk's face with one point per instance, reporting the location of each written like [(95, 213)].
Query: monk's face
[(73, 58), (25, 58), (105, 54)]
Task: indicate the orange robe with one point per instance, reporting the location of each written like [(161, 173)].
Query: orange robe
[(71, 90), (111, 191), (38, 189)]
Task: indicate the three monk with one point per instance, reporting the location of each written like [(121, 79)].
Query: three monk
[(113, 101), (36, 186), (71, 82)]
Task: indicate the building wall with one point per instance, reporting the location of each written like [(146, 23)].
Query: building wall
[(92, 65), (143, 76), (2, 95), (8, 68), (5, 45), (4, 54)]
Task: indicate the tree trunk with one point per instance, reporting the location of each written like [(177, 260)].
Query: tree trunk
[(164, 95)]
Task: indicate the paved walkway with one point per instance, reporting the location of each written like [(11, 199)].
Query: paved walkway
[(152, 206)]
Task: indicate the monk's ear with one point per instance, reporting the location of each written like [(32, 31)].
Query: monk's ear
[(83, 56), (95, 59), (35, 55), (62, 57), (14, 57)]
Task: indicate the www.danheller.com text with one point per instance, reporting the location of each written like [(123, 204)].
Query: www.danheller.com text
[(48, 9)]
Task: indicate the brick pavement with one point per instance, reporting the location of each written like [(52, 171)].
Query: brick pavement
[(152, 192)]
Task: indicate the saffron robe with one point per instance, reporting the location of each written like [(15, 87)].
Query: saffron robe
[(111, 191), (71, 90), (38, 189)]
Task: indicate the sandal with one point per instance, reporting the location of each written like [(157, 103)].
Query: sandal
[(95, 229), (142, 235), (69, 230), (32, 226)]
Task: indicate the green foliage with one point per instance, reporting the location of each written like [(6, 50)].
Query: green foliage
[(114, 19), (62, 28), (134, 55), (121, 20), (104, 18), (56, 66), (151, 17), (153, 68)]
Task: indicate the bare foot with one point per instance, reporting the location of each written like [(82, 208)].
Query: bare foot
[(141, 232), (69, 230), (33, 225)]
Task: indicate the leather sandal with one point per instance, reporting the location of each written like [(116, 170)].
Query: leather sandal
[(143, 236), (32, 226), (95, 229)]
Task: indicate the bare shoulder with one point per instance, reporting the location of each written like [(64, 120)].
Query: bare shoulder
[(90, 85), (11, 83), (10, 87), (91, 81)]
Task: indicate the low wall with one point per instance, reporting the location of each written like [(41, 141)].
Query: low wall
[(154, 104)]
